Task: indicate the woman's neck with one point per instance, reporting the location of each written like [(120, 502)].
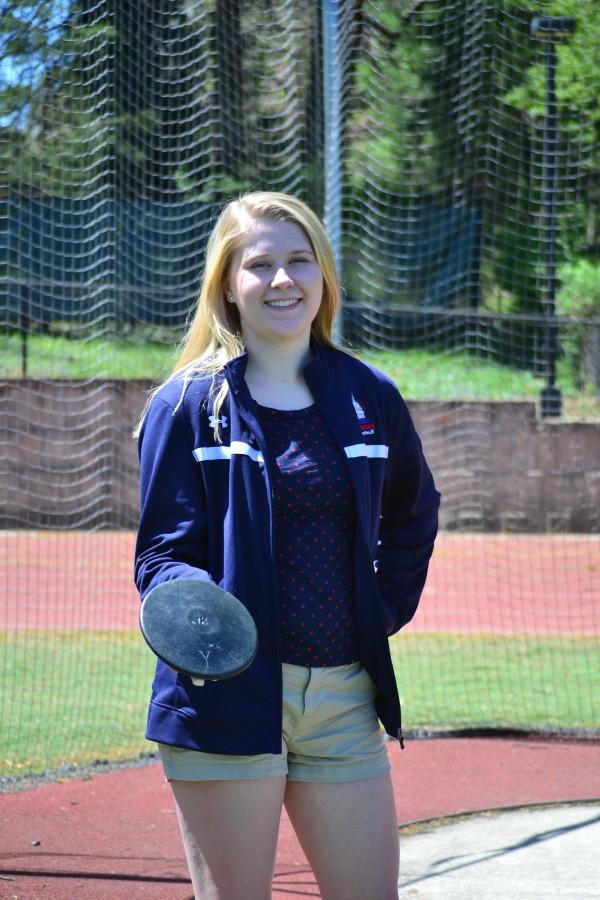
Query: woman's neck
[(274, 376)]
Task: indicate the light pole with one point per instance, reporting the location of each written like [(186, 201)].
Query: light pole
[(550, 29)]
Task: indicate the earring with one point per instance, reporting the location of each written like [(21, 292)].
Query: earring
[(230, 296)]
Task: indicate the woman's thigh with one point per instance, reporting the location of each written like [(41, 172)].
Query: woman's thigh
[(349, 833), (229, 831)]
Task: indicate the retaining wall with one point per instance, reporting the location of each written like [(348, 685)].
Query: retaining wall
[(68, 460)]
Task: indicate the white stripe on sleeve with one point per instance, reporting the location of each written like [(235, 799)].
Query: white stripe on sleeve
[(372, 451), (237, 448)]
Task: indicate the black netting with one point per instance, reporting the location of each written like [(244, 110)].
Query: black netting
[(453, 151)]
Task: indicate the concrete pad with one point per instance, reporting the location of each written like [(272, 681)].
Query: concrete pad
[(550, 852)]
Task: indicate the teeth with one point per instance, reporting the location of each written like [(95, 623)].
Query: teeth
[(282, 302)]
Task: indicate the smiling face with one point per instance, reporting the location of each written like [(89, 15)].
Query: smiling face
[(276, 284)]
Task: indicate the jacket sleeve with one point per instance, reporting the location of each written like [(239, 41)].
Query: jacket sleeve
[(409, 520), (172, 539)]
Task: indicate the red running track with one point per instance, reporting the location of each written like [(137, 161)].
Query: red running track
[(115, 837), (478, 583)]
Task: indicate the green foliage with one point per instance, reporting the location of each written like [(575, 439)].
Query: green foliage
[(579, 293), (579, 296), (56, 140), (471, 111), (444, 103), (518, 264), (577, 91), (387, 139), (577, 77)]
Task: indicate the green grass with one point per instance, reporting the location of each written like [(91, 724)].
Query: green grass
[(458, 681), (76, 697), (58, 356), (420, 374), (425, 375), (71, 697), (430, 375)]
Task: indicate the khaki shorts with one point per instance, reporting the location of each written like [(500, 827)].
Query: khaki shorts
[(330, 734)]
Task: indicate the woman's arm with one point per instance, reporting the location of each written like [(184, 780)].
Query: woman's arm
[(172, 539), (409, 522)]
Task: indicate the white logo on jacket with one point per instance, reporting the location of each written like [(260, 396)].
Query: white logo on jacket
[(360, 413), (217, 423), (365, 425)]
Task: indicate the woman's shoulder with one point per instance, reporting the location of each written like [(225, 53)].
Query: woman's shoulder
[(185, 387)]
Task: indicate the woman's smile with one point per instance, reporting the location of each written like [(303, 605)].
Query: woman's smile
[(284, 304)]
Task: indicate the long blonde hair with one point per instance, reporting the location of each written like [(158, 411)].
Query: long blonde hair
[(213, 336)]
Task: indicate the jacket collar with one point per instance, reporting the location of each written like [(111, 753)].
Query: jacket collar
[(326, 382), (234, 372), (333, 395)]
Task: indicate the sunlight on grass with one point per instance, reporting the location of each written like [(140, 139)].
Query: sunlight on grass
[(451, 681), (56, 357), (419, 374), (71, 697), (77, 697), (430, 375)]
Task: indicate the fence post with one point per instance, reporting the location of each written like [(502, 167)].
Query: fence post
[(550, 29), (332, 115), (24, 326)]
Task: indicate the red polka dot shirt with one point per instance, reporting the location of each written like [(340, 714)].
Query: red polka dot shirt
[(314, 523)]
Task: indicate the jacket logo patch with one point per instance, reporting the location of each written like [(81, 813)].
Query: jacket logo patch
[(365, 425), (220, 422)]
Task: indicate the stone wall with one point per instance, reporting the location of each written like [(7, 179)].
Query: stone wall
[(500, 468), (68, 460), (67, 454)]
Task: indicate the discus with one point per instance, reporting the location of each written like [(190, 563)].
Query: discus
[(198, 629)]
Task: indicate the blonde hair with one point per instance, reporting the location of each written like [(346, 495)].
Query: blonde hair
[(213, 336)]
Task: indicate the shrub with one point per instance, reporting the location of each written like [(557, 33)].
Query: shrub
[(579, 298)]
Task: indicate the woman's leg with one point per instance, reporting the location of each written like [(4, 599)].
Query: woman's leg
[(229, 831), (349, 833)]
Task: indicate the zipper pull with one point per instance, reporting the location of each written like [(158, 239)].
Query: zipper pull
[(401, 738)]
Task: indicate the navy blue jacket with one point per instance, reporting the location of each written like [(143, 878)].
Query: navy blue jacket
[(207, 513)]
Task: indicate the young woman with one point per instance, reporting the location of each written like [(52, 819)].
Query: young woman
[(289, 473)]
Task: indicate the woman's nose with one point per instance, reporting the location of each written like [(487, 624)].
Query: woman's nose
[(281, 278)]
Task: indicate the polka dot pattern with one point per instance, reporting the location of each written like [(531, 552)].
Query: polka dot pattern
[(314, 520)]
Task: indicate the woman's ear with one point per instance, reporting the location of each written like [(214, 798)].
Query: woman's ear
[(227, 292)]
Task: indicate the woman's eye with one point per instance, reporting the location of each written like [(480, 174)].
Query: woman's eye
[(264, 264)]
